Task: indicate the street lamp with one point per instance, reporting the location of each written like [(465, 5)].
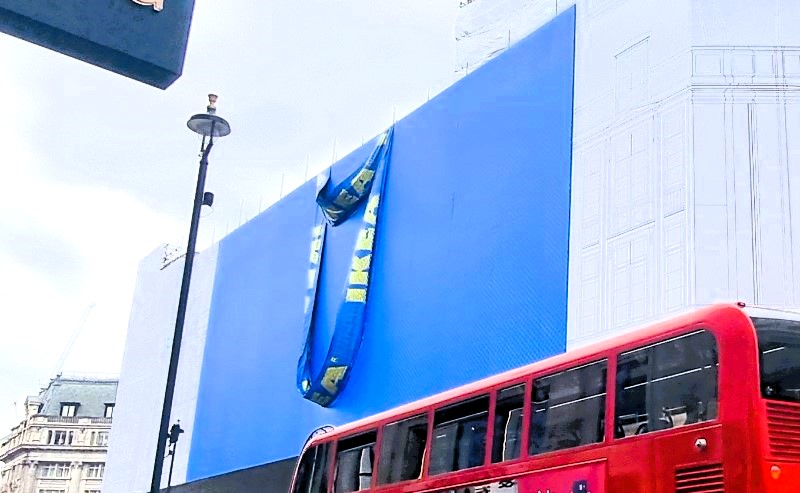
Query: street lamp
[(209, 125), (174, 434)]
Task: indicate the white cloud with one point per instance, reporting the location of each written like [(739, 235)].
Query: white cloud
[(108, 230)]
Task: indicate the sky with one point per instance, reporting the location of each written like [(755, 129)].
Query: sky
[(100, 170)]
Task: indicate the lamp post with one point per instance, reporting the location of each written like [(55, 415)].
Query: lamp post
[(209, 125), (174, 434)]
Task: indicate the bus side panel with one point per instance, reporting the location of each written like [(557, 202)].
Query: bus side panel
[(692, 455), (578, 478), (630, 465)]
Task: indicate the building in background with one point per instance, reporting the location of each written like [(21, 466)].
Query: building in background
[(60, 446)]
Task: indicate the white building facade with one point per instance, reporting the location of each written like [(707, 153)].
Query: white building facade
[(61, 445)]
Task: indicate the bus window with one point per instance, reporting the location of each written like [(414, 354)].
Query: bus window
[(508, 423), (667, 385), (312, 473), (459, 436), (354, 459), (402, 448), (568, 408), (779, 346)]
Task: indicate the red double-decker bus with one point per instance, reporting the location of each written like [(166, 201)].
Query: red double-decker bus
[(705, 402)]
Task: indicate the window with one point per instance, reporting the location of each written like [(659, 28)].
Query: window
[(633, 77), (508, 423), (99, 439), (312, 473), (59, 437), (779, 348), (68, 409), (459, 436), (54, 470), (109, 411), (568, 408), (95, 470), (354, 459), (402, 447), (667, 385)]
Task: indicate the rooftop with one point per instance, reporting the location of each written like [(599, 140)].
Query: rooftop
[(91, 393)]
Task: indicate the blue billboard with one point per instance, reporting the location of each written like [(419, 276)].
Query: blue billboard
[(468, 274)]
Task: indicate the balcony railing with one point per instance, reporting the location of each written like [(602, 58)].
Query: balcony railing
[(69, 419), (58, 419)]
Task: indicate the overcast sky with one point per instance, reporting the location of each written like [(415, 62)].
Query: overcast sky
[(98, 170)]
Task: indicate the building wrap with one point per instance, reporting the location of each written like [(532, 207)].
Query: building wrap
[(468, 277), (666, 177)]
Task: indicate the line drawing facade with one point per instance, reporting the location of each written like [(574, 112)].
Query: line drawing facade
[(686, 146)]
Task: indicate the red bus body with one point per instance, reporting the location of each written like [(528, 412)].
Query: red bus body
[(751, 445)]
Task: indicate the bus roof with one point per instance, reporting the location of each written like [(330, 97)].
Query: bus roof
[(653, 329)]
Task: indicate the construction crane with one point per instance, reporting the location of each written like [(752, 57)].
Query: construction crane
[(72, 338)]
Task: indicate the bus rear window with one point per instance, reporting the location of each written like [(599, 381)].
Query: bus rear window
[(779, 354)]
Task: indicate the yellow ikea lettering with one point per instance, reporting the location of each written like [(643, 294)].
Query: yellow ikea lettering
[(320, 399), (316, 245), (361, 278), (366, 237), (332, 377), (361, 263), (158, 5), (371, 214), (345, 199), (356, 295), (362, 180)]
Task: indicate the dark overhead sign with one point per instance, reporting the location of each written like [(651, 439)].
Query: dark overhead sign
[(141, 39)]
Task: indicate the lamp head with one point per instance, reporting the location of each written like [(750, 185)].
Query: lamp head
[(208, 124), (212, 104)]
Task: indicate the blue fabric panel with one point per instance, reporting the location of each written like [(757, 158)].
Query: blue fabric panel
[(470, 266)]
